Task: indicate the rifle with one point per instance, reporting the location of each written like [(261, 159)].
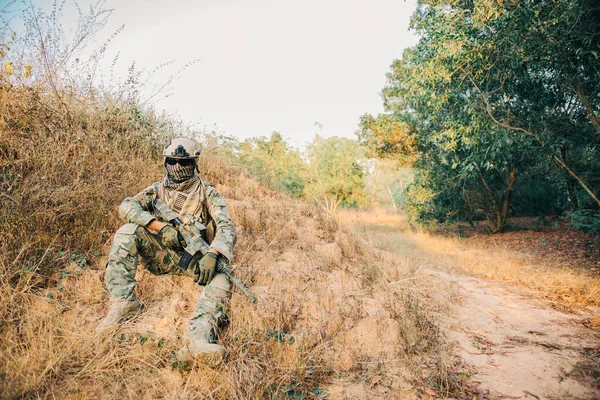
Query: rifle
[(191, 229)]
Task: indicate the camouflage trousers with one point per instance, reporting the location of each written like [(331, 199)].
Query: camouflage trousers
[(132, 242)]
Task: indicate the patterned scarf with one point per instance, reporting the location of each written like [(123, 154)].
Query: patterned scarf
[(180, 178)]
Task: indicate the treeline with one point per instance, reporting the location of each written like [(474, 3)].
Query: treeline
[(498, 110), (328, 173)]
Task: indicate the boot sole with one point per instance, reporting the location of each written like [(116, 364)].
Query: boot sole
[(210, 359)]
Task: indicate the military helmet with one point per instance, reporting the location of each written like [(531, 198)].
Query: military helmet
[(181, 148)]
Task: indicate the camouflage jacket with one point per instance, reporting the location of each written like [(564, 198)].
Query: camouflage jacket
[(199, 199)]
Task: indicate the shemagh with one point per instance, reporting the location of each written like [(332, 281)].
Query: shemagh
[(180, 177)]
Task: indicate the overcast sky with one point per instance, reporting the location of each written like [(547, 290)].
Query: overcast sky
[(267, 65)]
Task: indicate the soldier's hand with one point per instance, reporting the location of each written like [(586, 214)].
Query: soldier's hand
[(206, 268), (171, 238)]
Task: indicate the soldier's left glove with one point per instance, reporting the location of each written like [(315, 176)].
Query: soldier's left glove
[(206, 268), (171, 238)]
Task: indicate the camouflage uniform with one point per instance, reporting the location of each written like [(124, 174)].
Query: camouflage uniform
[(195, 197)]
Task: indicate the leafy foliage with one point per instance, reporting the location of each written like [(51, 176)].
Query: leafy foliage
[(586, 220), (330, 173), (495, 94), (387, 136), (275, 163), (336, 175)]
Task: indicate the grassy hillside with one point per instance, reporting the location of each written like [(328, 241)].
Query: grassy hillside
[(333, 316)]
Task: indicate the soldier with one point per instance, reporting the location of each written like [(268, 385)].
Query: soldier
[(159, 246)]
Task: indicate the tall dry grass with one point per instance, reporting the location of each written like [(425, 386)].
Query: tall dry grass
[(335, 318)]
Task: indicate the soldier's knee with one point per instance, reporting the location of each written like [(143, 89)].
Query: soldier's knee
[(130, 229), (125, 243), (220, 282)]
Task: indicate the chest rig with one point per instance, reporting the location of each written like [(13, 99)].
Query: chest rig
[(190, 201)]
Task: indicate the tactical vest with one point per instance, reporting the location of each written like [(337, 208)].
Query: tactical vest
[(193, 201)]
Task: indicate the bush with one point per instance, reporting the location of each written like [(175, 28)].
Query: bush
[(587, 221)]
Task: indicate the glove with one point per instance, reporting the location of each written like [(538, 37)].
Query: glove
[(206, 269), (171, 238)]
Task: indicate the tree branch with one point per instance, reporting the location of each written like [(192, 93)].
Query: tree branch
[(586, 104), (556, 158)]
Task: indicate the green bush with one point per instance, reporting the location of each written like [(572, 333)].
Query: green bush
[(587, 221)]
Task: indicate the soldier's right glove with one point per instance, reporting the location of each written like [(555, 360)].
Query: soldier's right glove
[(171, 238)]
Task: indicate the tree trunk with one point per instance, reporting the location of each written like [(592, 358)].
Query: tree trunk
[(571, 194), (392, 198), (497, 220), (503, 215)]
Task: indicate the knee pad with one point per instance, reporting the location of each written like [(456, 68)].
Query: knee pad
[(129, 229), (220, 281)]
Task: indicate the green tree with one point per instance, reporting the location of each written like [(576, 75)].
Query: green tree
[(496, 94), (533, 68), (275, 163), (336, 174), (387, 136)]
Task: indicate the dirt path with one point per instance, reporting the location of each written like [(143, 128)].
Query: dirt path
[(517, 346), (520, 347)]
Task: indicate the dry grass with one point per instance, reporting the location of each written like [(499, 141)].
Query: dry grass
[(377, 216), (334, 316), (567, 286)]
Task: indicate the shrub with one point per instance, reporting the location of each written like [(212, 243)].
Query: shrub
[(587, 221)]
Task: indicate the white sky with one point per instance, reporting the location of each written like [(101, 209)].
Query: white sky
[(267, 65)]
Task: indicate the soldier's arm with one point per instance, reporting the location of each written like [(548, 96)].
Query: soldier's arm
[(136, 209), (225, 234)]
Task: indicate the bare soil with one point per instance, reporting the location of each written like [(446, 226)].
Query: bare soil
[(514, 344), (519, 347)]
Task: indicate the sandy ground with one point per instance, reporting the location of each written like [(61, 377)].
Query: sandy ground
[(514, 345), (519, 347)]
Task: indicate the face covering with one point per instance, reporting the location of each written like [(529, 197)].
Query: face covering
[(178, 176), (178, 173)]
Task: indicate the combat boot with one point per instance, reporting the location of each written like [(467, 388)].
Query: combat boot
[(199, 345), (120, 311)]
